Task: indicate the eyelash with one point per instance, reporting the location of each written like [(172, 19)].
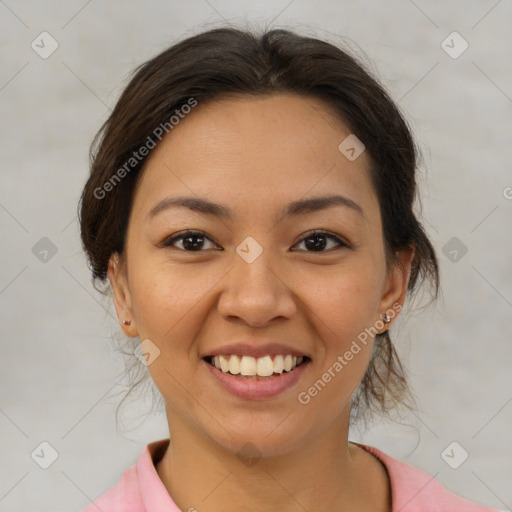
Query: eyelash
[(170, 241)]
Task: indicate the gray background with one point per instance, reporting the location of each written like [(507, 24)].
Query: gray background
[(60, 375)]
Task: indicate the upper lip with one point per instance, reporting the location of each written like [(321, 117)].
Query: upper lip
[(255, 350)]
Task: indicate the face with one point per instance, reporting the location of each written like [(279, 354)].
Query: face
[(255, 272)]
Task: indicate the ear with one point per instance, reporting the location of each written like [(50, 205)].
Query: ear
[(122, 299), (395, 286)]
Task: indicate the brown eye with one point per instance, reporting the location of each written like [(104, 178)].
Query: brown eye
[(192, 241), (316, 241)]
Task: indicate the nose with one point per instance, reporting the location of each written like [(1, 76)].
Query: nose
[(256, 294)]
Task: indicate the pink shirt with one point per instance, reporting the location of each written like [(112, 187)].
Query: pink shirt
[(141, 490)]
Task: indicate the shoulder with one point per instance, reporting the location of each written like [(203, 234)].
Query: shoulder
[(124, 495), (414, 490), (139, 489)]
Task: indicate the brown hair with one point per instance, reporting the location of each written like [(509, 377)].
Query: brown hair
[(234, 61)]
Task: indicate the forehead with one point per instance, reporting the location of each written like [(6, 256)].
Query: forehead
[(256, 151)]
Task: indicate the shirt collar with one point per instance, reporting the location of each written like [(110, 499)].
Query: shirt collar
[(155, 496)]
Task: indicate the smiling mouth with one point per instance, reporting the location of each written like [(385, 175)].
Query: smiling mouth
[(252, 368)]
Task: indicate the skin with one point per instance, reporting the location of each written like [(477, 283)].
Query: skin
[(254, 155)]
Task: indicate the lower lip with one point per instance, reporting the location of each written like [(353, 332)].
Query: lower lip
[(257, 389)]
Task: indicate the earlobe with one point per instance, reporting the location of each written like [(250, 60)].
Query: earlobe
[(396, 290), (121, 295)]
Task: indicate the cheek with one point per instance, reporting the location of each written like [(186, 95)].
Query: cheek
[(343, 315), (345, 308), (170, 305), (162, 297), (344, 304), (166, 306)]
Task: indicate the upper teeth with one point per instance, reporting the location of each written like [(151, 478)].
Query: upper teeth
[(261, 366)]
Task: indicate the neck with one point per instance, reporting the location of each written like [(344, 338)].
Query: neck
[(325, 473)]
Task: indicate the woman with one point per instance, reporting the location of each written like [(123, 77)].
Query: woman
[(251, 204)]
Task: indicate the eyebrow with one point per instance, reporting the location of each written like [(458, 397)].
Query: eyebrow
[(295, 208)]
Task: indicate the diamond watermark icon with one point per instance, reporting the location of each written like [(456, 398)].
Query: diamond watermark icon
[(249, 249), (44, 45), (351, 147), (454, 249), (44, 455), (454, 455), (147, 352), (44, 250), (249, 454), (454, 45)]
